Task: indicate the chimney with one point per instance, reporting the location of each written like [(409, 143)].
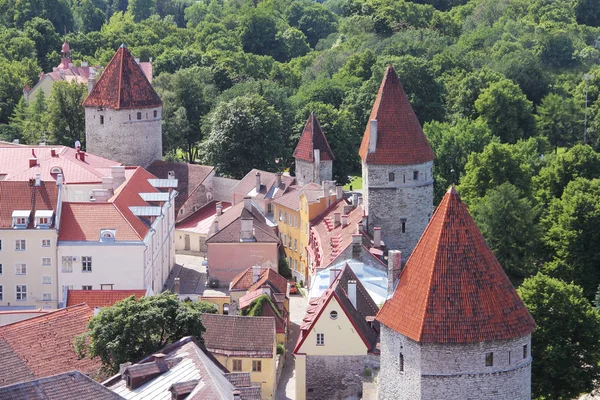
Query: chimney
[(336, 219), (317, 157), (237, 395), (372, 135), (376, 236), (355, 200), (348, 208), (137, 60), (219, 208), (161, 363), (59, 180), (101, 195), (118, 174), (344, 220), (107, 182), (77, 145), (38, 179), (256, 270), (356, 245), (258, 182), (277, 179), (32, 161), (91, 81), (81, 156), (216, 225), (394, 269), (247, 233), (352, 292), (248, 203), (171, 175), (325, 187), (53, 152), (339, 192), (365, 222), (332, 274), (177, 285)]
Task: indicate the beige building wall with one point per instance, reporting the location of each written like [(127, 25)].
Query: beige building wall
[(190, 241), (300, 372), (79, 192), (44, 85), (266, 377), (40, 262), (289, 223), (226, 260)]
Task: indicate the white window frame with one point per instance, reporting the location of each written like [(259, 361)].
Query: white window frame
[(49, 264), (49, 243), (86, 287), (320, 339), (21, 290), (86, 264), (284, 240), (48, 295), (67, 261), (20, 269), (46, 279), (20, 244)]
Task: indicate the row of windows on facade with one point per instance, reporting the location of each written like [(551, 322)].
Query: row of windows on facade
[(138, 115), (289, 219), (256, 365), (392, 176), (21, 244), (67, 265), (293, 263), (287, 241), (23, 222), (21, 293), (489, 358)]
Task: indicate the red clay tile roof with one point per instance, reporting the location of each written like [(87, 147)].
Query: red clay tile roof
[(312, 139), (43, 345), (235, 335), (123, 85), (400, 138), (189, 177), (100, 298), (453, 290), (19, 195), (202, 220), (230, 226), (14, 163), (267, 185), (268, 276)]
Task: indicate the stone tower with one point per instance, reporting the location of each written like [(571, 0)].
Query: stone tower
[(123, 114), (397, 164), (455, 328), (314, 158)]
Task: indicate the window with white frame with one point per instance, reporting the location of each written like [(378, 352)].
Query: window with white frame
[(295, 244), (46, 262), (20, 269), (284, 240), (290, 243), (46, 280), (46, 296), (20, 221), (86, 287), (320, 339), (285, 219), (86, 264), (45, 242), (20, 245), (67, 264), (280, 215), (21, 293)]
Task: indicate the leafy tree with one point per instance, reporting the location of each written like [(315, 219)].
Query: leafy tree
[(284, 269), (508, 221), (141, 9), (312, 18), (566, 344), (294, 42), (134, 328), (588, 12), (258, 31), (452, 144), (557, 49), (89, 17), (464, 88), (66, 114), (506, 110), (572, 235), (526, 70), (42, 33), (243, 133), (558, 119)]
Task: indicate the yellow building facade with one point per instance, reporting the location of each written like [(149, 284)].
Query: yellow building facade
[(262, 370)]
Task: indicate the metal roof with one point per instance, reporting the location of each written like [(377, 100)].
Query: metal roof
[(164, 183), (44, 213), (146, 211), (160, 196), (21, 213)]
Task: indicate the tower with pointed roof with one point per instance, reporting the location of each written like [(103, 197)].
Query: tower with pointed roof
[(314, 158), (455, 328), (123, 114), (397, 164)]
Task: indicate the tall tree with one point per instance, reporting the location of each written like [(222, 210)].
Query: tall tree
[(141, 9), (66, 114), (135, 328), (244, 133), (42, 32), (559, 120), (566, 344)]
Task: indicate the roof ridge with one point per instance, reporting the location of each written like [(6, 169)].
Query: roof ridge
[(50, 314), (127, 221)]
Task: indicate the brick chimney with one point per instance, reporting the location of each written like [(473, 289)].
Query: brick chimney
[(277, 179), (248, 203), (356, 245), (161, 363), (344, 220), (377, 236), (256, 270), (339, 192), (53, 152), (258, 182)]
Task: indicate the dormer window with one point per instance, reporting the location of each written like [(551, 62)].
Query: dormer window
[(56, 170), (20, 218), (43, 218), (107, 235)]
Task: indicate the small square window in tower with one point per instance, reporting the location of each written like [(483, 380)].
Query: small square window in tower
[(392, 177), (489, 359), (403, 225), (139, 115), (102, 120), (415, 175)]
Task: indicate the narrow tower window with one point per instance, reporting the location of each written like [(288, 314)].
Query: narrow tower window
[(525, 351), (155, 113), (403, 222), (102, 120), (139, 115), (401, 362), (489, 359), (392, 177), (416, 175)]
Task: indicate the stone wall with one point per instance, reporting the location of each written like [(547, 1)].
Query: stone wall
[(454, 371), (121, 137), (388, 203), (221, 188), (337, 377), (304, 172)]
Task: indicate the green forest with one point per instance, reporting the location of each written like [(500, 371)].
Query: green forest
[(508, 92)]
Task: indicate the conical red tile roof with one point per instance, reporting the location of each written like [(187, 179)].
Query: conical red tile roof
[(123, 85), (452, 289), (312, 139), (400, 138)]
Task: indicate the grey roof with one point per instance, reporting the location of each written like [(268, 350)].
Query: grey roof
[(67, 386), (237, 335), (230, 226)]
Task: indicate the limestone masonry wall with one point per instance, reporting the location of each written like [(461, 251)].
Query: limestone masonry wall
[(454, 371), (222, 188), (389, 203), (337, 377), (305, 172), (118, 135)]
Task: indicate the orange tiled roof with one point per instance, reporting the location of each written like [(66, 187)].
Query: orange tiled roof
[(123, 85), (313, 138), (19, 195), (243, 281), (400, 138), (453, 290), (43, 346), (101, 298)]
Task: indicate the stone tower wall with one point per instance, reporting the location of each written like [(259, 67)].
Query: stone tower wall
[(305, 172), (454, 371), (389, 203), (124, 138)]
